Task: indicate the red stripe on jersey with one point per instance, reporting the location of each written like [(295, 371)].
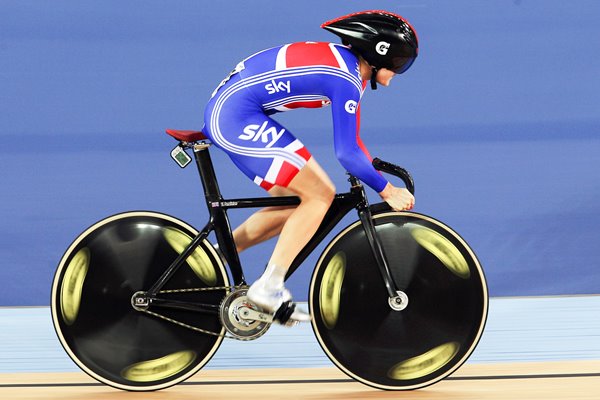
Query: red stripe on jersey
[(358, 139), (266, 185), (306, 104), (363, 147), (304, 153), (309, 53), (286, 174)]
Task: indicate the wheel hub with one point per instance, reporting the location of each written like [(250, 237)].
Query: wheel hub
[(139, 301), (399, 302)]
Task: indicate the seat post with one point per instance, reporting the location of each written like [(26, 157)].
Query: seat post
[(207, 172)]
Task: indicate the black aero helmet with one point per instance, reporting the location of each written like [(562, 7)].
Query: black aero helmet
[(383, 39)]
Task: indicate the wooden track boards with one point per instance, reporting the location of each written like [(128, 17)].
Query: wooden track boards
[(551, 380)]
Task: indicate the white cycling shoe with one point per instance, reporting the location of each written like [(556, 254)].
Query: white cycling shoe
[(277, 302)]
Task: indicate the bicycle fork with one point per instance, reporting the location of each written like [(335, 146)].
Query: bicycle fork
[(397, 299)]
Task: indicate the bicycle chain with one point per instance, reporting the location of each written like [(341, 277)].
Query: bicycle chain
[(195, 328), (200, 289)]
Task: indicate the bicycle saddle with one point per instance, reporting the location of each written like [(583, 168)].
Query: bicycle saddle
[(186, 136)]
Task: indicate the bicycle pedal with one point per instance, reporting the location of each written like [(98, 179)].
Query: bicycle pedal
[(287, 315), (284, 312)]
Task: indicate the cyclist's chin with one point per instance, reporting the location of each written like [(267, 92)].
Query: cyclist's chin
[(384, 77)]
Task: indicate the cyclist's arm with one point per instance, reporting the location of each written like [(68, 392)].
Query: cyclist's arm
[(349, 149), (355, 158)]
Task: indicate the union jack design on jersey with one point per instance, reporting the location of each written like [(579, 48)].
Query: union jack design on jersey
[(296, 75)]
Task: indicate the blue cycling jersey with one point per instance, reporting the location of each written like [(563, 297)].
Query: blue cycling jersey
[(306, 74)]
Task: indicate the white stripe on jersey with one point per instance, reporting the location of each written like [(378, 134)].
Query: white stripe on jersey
[(338, 57), (297, 71), (294, 146), (280, 61), (274, 169)]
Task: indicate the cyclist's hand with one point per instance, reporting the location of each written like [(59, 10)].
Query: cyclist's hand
[(398, 198)]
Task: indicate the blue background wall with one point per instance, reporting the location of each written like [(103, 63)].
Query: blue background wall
[(499, 121)]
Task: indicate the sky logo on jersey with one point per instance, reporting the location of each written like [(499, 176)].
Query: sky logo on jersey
[(259, 132), (276, 87), (350, 106)]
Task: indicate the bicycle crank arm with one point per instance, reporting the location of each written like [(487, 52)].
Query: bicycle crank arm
[(249, 314)]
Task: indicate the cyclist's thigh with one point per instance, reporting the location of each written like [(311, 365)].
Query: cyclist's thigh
[(313, 182)]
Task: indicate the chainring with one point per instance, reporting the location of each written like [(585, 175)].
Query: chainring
[(232, 320)]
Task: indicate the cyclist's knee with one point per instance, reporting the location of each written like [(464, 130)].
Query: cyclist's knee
[(323, 191), (328, 192), (313, 184)]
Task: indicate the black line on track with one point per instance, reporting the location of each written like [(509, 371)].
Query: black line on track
[(541, 376), (309, 381)]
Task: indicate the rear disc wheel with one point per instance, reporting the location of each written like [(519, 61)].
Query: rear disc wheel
[(96, 322)]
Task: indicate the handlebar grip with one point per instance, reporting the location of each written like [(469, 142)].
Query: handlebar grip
[(397, 171)]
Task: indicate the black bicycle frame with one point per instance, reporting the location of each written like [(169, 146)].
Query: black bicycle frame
[(219, 223)]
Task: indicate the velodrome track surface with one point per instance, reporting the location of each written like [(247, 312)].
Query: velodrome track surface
[(533, 348)]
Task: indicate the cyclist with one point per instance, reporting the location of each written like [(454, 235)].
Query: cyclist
[(376, 46)]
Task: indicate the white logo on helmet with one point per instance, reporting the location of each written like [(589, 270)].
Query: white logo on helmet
[(382, 48), (350, 106)]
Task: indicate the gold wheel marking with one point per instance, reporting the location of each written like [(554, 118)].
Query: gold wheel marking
[(331, 288), (72, 285), (442, 249), (424, 364), (198, 261), (159, 368)]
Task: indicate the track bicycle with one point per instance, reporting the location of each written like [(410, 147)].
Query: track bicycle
[(142, 300)]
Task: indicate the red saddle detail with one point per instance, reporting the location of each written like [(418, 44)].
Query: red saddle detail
[(186, 136)]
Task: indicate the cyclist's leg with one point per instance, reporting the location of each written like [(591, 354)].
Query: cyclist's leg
[(263, 224), (316, 191), (295, 225)]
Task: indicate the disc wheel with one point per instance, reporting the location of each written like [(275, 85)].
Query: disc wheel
[(443, 313), (92, 293)]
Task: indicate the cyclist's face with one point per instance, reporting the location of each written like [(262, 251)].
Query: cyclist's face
[(384, 76)]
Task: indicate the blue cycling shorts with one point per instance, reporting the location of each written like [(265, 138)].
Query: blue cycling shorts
[(260, 147)]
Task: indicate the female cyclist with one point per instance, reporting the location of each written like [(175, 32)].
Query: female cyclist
[(376, 46)]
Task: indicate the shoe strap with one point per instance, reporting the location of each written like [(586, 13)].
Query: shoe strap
[(284, 312)]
